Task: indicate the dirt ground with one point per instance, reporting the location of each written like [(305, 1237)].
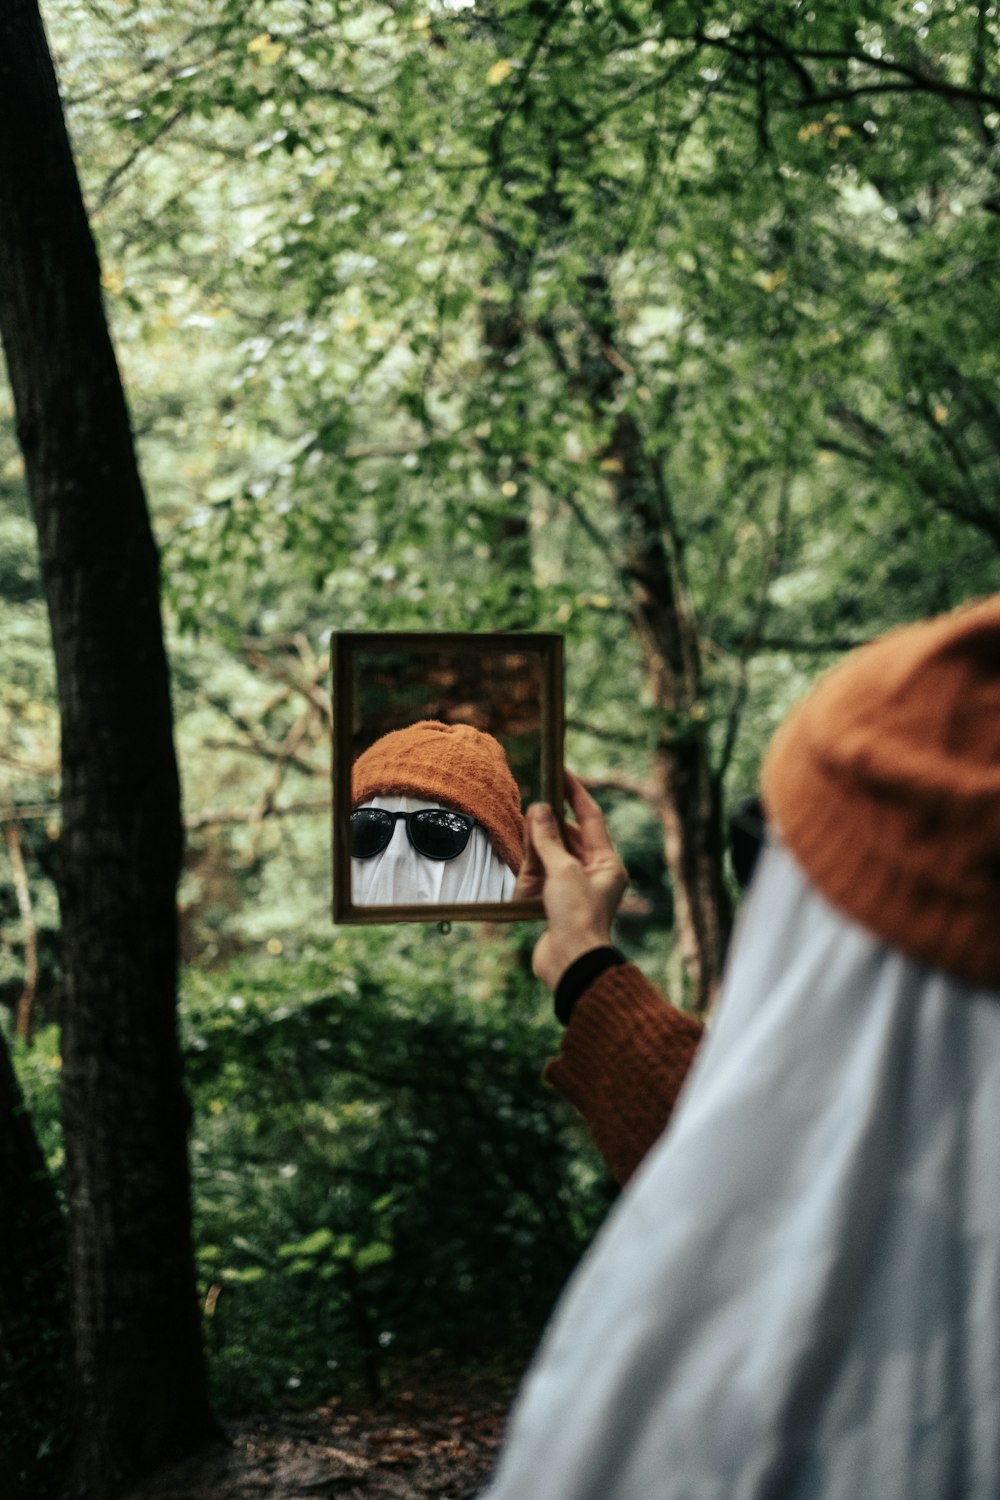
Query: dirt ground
[(437, 1439)]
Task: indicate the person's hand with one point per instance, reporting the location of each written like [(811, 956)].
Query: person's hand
[(579, 880)]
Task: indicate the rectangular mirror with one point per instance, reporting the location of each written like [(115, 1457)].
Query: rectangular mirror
[(440, 741)]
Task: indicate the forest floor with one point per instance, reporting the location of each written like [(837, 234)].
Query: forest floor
[(435, 1437)]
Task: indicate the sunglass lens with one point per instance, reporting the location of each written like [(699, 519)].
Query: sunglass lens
[(371, 830), (440, 834)]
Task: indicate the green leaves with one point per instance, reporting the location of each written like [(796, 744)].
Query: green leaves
[(380, 318), (368, 1139), (313, 1245)]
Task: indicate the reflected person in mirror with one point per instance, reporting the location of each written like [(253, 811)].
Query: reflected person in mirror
[(435, 818)]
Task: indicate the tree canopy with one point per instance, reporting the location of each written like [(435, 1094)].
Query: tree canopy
[(394, 283)]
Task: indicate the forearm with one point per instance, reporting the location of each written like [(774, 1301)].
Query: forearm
[(625, 1055)]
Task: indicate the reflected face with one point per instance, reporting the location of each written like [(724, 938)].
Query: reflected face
[(434, 832), (410, 850), (465, 727)]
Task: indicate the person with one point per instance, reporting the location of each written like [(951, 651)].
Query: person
[(625, 1052), (798, 1293), (435, 817)]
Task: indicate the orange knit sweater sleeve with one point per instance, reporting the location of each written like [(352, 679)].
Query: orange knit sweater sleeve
[(624, 1056)]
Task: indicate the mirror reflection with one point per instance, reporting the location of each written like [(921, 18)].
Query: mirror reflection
[(442, 741), (436, 817)]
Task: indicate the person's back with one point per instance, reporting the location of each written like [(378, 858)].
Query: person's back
[(799, 1292)]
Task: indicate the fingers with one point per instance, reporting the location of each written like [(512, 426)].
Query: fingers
[(545, 839), (531, 875), (574, 869), (527, 887), (549, 849), (585, 809), (594, 836), (573, 841)]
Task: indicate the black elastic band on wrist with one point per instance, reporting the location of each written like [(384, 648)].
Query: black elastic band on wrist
[(580, 975)]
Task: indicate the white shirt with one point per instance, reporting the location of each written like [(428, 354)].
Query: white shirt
[(798, 1295)]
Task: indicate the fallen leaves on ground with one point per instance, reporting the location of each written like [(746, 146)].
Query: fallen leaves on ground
[(436, 1439)]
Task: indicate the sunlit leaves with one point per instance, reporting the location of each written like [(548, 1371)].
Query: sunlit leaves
[(499, 72), (353, 254)]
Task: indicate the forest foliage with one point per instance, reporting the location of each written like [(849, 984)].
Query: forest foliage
[(375, 1167), (388, 282)]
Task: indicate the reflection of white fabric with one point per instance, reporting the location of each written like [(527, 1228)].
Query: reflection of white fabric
[(799, 1293), (399, 875)]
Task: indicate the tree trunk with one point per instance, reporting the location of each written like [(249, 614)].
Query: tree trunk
[(32, 1302), (688, 795), (137, 1384), (504, 464), (687, 792)]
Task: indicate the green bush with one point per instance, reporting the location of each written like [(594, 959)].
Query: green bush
[(37, 1067), (378, 1170)]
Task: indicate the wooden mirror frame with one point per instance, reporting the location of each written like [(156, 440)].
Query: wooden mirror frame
[(346, 645)]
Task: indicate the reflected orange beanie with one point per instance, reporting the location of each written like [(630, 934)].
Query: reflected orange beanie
[(885, 786), (451, 763)]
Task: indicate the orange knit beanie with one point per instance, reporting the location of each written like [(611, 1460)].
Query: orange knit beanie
[(885, 786), (451, 763)]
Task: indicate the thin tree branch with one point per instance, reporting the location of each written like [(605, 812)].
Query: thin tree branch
[(942, 493), (751, 639), (616, 736), (12, 838), (309, 689), (286, 754), (594, 122), (619, 781), (920, 74), (550, 18), (30, 811), (110, 188), (262, 751), (596, 535), (977, 75), (866, 90), (26, 767), (220, 817), (795, 646), (328, 91)]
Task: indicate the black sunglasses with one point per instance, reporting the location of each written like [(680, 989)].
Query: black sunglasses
[(435, 832)]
